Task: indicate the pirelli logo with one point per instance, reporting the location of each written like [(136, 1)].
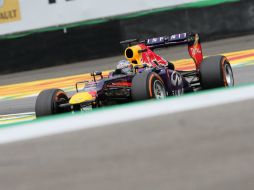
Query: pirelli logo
[(9, 11)]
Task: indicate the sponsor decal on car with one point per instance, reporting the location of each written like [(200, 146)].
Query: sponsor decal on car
[(177, 82), (176, 79)]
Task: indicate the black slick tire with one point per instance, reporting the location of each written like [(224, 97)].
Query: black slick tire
[(214, 73), (47, 102), (143, 86)]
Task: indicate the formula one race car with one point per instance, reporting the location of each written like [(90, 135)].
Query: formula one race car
[(143, 75)]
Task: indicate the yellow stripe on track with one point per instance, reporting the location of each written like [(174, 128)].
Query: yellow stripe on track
[(16, 91), (27, 89), (15, 118)]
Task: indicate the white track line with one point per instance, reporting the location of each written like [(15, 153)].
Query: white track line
[(18, 114), (69, 123), (11, 118)]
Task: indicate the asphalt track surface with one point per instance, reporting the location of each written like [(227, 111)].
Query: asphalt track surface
[(209, 148), (242, 75)]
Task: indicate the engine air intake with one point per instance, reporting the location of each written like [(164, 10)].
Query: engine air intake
[(129, 53)]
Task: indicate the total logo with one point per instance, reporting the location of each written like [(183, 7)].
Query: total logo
[(1, 3)]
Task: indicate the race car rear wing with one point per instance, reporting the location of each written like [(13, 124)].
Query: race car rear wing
[(164, 41), (172, 40), (191, 39)]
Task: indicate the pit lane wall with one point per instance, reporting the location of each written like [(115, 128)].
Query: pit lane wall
[(29, 42)]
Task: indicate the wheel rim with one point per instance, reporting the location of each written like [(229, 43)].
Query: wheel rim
[(159, 90), (59, 99), (229, 75)]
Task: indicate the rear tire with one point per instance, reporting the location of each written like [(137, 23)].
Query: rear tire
[(216, 72), (47, 102), (147, 85)]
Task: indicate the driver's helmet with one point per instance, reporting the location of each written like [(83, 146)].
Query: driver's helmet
[(125, 66)]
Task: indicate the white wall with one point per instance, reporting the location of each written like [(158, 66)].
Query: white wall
[(39, 13)]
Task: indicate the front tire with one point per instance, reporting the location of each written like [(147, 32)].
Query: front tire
[(47, 102), (147, 85), (216, 72)]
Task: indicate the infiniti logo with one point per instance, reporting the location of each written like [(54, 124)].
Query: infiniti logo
[(176, 79)]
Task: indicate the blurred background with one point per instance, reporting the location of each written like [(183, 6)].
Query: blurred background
[(43, 33)]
